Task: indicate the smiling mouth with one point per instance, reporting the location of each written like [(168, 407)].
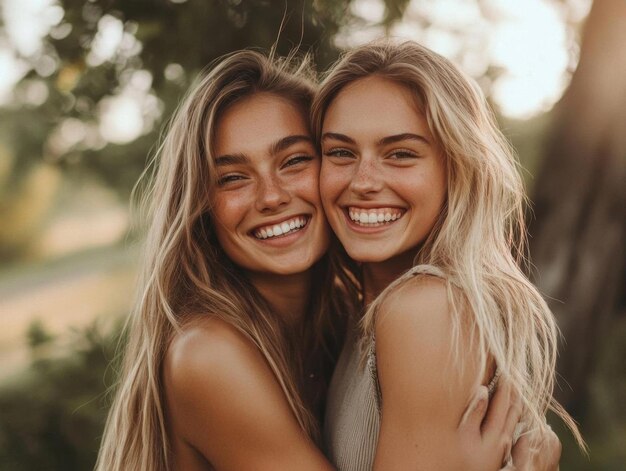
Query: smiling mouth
[(287, 227), (374, 217)]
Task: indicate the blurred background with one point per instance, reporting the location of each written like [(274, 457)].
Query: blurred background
[(86, 85)]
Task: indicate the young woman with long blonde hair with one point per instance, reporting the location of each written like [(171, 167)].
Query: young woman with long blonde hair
[(227, 344), (239, 314), (422, 190)]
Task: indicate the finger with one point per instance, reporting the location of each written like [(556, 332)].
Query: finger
[(522, 453), (549, 449), (514, 415), (475, 412), (498, 410)]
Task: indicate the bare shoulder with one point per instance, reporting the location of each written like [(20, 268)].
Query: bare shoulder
[(224, 401), (415, 345), (210, 345), (420, 305), (209, 361)]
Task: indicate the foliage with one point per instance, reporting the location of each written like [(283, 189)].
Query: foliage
[(603, 421), (165, 43), (51, 416), (156, 35), (37, 334)]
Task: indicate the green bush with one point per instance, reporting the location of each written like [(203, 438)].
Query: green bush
[(52, 415)]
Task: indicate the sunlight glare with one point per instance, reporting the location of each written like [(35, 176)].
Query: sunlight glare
[(530, 44)]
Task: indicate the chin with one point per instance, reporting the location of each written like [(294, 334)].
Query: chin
[(292, 267), (367, 256)]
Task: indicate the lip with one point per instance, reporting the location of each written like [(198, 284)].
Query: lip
[(279, 221), (370, 230), (286, 239), (371, 205)]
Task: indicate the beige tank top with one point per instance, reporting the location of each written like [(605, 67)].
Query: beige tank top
[(352, 419)]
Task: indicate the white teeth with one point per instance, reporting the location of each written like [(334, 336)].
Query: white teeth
[(374, 217), (285, 227)]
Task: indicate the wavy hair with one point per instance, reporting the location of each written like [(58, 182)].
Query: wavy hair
[(185, 273), (478, 241)]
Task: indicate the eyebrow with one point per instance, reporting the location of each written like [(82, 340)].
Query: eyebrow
[(286, 142), (407, 136), (231, 159), (384, 141), (338, 137), (277, 147)]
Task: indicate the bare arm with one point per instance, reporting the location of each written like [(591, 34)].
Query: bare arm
[(425, 394), (225, 403)]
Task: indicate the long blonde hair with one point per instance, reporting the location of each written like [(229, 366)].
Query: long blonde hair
[(478, 241), (185, 272)]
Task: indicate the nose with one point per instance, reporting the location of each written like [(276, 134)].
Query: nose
[(366, 178), (271, 195)]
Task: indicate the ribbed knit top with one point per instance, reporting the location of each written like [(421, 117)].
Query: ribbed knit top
[(352, 418), (352, 421)]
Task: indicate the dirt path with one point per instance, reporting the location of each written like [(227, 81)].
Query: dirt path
[(67, 294)]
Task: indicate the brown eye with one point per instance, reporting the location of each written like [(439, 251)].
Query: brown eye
[(341, 153), (403, 154), (229, 179), (297, 160)]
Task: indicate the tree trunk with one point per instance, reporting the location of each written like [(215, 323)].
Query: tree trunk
[(578, 238)]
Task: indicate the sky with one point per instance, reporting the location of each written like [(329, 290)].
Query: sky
[(527, 41)]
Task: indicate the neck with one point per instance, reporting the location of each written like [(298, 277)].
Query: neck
[(287, 295), (378, 275)]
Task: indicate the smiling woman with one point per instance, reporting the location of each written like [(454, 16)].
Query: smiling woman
[(388, 149), (267, 197), (238, 319), (422, 189)]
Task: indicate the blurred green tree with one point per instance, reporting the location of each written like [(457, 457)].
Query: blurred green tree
[(52, 415), (159, 47)]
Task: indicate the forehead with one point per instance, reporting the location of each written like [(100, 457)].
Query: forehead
[(255, 122), (375, 106)]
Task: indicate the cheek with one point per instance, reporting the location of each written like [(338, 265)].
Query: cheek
[(228, 210), (306, 185), (427, 192), (333, 181), (440, 187)]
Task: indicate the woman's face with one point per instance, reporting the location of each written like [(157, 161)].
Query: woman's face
[(267, 211), (383, 178)]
